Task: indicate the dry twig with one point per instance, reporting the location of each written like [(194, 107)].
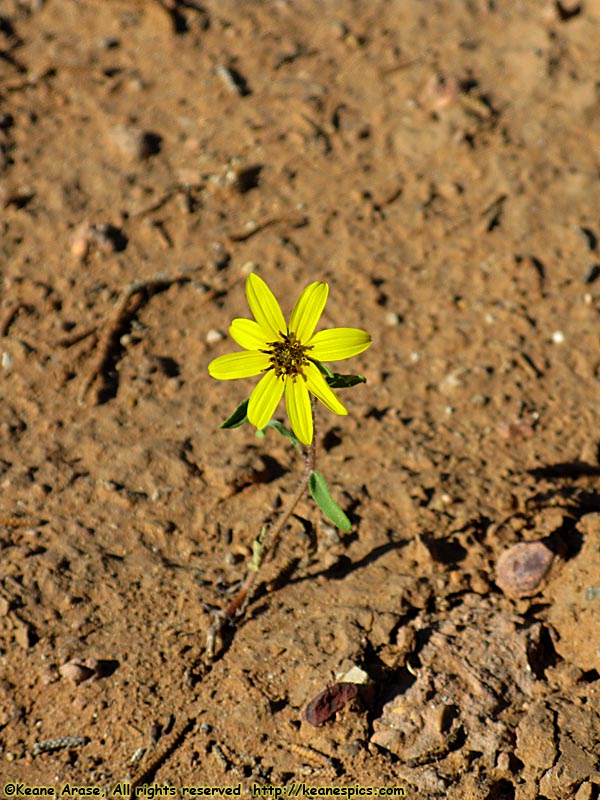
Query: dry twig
[(113, 328)]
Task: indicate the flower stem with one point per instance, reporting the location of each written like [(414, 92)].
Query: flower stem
[(262, 547)]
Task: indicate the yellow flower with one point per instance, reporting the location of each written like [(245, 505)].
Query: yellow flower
[(284, 355)]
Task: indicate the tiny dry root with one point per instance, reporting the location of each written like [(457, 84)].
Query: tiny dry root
[(166, 751), (124, 308)]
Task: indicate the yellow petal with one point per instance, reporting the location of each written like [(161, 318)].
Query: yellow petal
[(248, 334), (265, 307), (265, 399), (238, 365), (297, 403), (338, 343), (308, 310), (319, 387)]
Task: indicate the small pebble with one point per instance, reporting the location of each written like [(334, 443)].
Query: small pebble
[(339, 29), (233, 80), (109, 43), (392, 319), (220, 256), (564, 10), (558, 337), (440, 91), (521, 568), (7, 360), (104, 237), (214, 336), (108, 238), (522, 427), (137, 756), (134, 142), (80, 243), (591, 274), (331, 535), (354, 675), (77, 672), (241, 178)]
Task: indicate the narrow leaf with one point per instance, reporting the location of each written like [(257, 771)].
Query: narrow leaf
[(337, 381), (284, 432), (239, 416), (323, 368), (322, 497)]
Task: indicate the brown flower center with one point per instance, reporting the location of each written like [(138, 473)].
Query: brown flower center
[(287, 356)]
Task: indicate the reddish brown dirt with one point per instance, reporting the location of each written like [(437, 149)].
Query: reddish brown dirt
[(437, 164)]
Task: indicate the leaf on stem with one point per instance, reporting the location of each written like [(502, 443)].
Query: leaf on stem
[(239, 416), (284, 432), (322, 497), (335, 379), (344, 381), (323, 368)]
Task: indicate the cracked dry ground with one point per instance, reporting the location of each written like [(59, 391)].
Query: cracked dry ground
[(437, 164)]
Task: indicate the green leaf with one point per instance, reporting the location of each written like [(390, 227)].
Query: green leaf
[(239, 416), (337, 381), (284, 432), (322, 497), (323, 368)]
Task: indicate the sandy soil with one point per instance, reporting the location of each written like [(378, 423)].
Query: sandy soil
[(437, 163)]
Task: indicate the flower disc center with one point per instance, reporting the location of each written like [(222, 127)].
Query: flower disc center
[(287, 356)]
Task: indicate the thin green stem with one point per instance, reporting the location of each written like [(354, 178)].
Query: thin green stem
[(263, 546)]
